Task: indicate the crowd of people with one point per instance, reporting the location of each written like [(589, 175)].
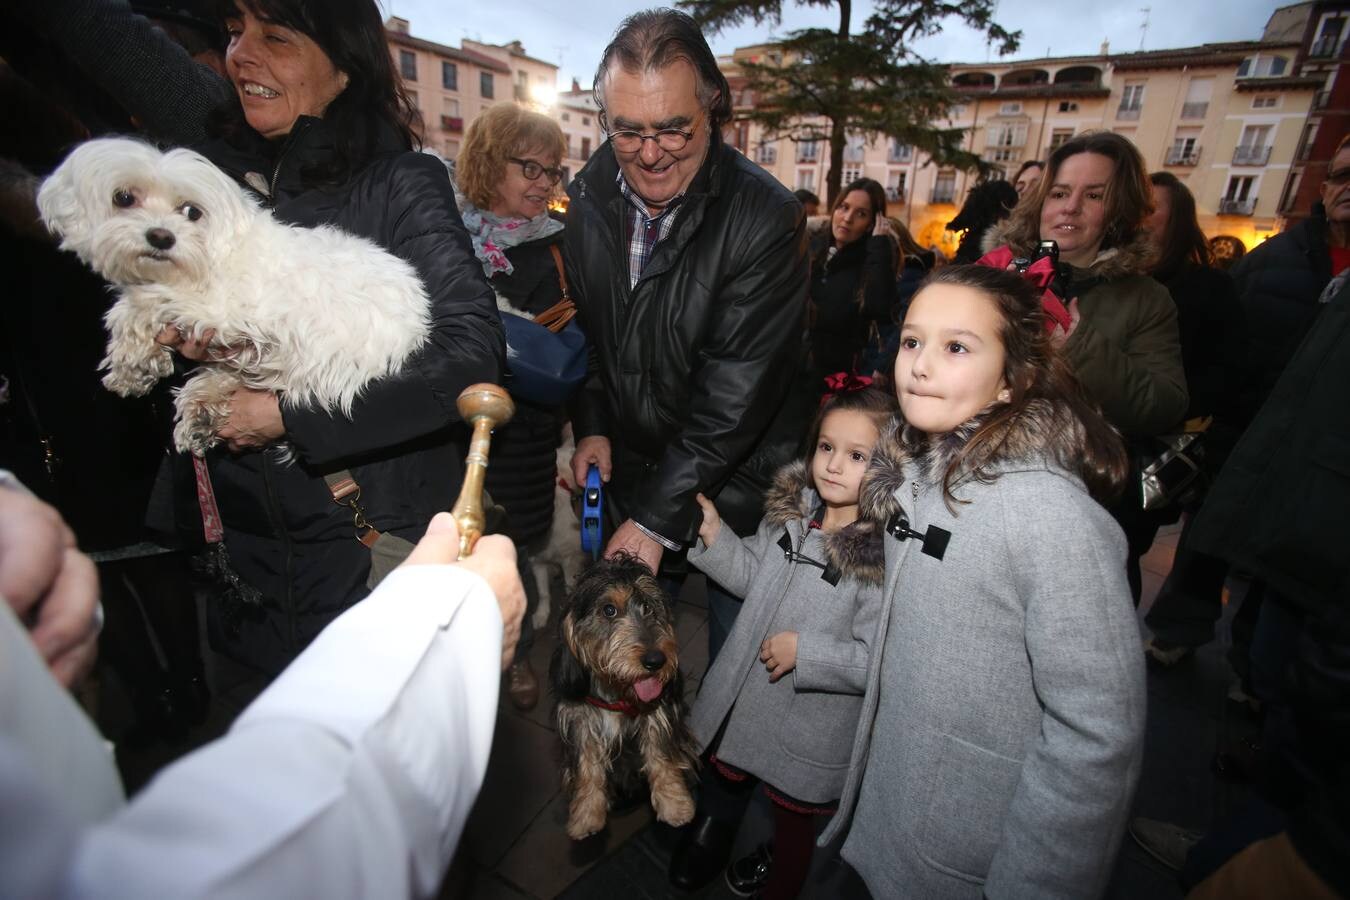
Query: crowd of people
[(919, 491)]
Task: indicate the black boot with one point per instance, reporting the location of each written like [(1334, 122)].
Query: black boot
[(748, 875), (702, 853)]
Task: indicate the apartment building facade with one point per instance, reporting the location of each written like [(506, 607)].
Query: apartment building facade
[(1230, 120), (579, 116), (451, 86)]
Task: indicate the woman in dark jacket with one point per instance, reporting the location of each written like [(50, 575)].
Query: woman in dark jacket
[(1209, 317), (853, 269), (1211, 324), (504, 178), (321, 133)]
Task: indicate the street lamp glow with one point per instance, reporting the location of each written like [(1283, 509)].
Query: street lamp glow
[(543, 94)]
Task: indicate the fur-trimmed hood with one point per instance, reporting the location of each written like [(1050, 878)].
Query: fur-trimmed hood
[(855, 550), (1042, 437), (1134, 258)]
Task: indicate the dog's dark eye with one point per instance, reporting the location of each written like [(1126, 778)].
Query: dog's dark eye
[(193, 213), (124, 199), (609, 610)]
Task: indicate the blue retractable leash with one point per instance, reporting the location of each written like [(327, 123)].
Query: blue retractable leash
[(590, 515)]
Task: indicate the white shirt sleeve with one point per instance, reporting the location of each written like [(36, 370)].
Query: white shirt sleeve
[(351, 776)]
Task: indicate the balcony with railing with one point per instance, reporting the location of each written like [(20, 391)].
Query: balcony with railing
[(1128, 113), (1194, 110), (1251, 156), (1325, 46), (807, 156), (854, 154), (452, 123), (1183, 156), (943, 194), (1230, 206)]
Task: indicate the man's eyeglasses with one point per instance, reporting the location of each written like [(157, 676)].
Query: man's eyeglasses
[(532, 170), (671, 140)]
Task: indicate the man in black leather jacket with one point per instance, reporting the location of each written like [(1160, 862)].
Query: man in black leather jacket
[(690, 271)]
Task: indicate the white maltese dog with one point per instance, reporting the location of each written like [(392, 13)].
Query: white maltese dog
[(314, 314)]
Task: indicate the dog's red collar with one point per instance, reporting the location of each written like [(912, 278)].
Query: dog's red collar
[(621, 706)]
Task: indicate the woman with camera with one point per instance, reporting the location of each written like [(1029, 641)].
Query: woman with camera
[(1122, 337)]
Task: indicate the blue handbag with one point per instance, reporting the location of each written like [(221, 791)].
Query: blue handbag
[(546, 356), (545, 367)]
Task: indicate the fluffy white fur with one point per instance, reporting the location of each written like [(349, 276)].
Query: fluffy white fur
[(314, 314)]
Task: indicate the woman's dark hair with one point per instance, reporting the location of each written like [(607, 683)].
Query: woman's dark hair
[(352, 34), (879, 405), (1129, 199), (986, 205), (655, 38), (1181, 243), (1033, 370)]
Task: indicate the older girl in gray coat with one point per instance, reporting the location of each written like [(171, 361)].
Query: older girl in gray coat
[(1002, 729), (782, 699)]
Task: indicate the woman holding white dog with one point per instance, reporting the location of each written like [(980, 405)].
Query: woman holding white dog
[(504, 178), (322, 132)]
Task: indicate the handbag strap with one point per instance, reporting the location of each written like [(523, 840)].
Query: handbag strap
[(346, 492), (556, 317), (562, 275)]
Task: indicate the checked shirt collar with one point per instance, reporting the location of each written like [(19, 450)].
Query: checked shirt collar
[(644, 232)]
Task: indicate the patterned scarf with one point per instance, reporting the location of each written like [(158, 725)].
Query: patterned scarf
[(492, 235)]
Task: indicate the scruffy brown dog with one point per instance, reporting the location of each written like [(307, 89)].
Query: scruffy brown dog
[(621, 709)]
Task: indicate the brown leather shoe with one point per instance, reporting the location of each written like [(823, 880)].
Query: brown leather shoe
[(522, 685)]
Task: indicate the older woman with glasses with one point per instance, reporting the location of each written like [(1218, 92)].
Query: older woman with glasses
[(504, 178)]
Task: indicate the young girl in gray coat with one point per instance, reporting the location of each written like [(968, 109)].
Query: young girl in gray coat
[(1002, 731), (781, 701)]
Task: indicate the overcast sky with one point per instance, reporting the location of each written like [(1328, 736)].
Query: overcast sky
[(573, 34)]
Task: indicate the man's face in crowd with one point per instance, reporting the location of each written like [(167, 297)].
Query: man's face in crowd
[(1336, 189), (652, 101)]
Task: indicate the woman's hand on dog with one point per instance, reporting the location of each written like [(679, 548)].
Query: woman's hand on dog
[(493, 559), (198, 349), (712, 521), (255, 420), (779, 654)]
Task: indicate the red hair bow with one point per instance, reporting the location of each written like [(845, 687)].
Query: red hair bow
[(844, 383), (1040, 273)]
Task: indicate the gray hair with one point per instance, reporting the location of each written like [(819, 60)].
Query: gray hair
[(655, 38)]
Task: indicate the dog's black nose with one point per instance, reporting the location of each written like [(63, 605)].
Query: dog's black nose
[(160, 238), (653, 660)]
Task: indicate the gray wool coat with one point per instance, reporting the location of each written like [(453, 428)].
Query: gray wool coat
[(795, 733), (1001, 736)]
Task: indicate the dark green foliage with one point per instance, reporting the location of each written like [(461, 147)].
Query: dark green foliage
[(830, 83)]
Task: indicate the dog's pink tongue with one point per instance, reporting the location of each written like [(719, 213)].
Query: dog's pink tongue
[(648, 689)]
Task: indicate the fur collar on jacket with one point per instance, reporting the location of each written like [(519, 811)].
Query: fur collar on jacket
[(855, 550), (1041, 437), (1133, 258)]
